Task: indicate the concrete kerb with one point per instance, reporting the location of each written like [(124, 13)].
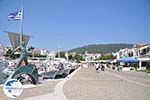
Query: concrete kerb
[(58, 93)]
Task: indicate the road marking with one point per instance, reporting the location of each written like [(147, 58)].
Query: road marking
[(138, 83), (26, 86)]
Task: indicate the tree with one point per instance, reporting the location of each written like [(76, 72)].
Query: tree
[(148, 66), (70, 57), (30, 54), (8, 53), (77, 58), (30, 48), (107, 57), (61, 54)]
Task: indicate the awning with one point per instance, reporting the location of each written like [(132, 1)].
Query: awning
[(128, 59)]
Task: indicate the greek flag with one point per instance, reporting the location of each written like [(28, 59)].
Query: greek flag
[(15, 16)]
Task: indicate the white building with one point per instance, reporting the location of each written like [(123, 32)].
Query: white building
[(139, 51), (91, 56), (142, 52), (2, 52), (44, 52), (124, 53), (52, 54)]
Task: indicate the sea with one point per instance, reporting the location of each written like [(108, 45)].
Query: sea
[(2, 77), (3, 65)]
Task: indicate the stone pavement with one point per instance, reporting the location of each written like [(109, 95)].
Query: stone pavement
[(140, 77), (41, 89), (58, 93), (89, 85)]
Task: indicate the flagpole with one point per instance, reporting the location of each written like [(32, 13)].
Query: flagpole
[(21, 24), (59, 51)]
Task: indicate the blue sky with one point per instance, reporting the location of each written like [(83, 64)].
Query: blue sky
[(73, 23)]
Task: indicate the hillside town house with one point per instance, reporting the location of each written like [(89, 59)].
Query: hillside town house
[(139, 51), (2, 52), (91, 56)]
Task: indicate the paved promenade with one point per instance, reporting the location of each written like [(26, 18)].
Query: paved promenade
[(108, 85), (40, 89), (87, 84)]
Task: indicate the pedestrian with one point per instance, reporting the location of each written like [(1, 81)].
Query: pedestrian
[(97, 67), (102, 68)]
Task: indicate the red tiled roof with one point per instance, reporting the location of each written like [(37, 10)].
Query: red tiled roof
[(141, 45)]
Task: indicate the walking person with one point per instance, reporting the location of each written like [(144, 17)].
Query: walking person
[(102, 67), (97, 67)]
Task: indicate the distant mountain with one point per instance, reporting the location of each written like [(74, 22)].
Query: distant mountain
[(101, 48)]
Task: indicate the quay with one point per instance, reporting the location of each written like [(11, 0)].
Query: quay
[(87, 84)]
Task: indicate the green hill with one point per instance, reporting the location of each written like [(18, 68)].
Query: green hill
[(101, 48)]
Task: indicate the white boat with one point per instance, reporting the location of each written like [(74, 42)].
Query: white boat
[(9, 71)]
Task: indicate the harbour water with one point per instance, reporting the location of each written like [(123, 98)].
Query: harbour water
[(3, 65), (2, 77)]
